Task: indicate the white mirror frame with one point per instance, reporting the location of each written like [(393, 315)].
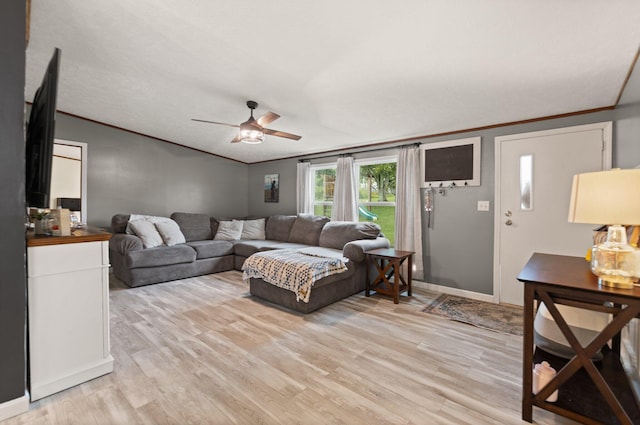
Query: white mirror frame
[(83, 176)]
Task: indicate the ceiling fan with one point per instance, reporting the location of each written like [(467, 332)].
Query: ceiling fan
[(252, 131)]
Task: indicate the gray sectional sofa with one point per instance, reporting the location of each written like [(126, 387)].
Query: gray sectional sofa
[(203, 250)]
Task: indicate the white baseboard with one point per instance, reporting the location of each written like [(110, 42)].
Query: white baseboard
[(14, 407), (453, 291), (70, 379)]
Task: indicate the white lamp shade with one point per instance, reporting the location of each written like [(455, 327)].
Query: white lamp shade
[(606, 197)]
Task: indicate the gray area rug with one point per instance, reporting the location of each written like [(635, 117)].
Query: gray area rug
[(494, 317)]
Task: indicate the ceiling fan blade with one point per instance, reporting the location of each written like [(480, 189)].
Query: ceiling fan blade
[(236, 139), (267, 118), (281, 134), (215, 122)]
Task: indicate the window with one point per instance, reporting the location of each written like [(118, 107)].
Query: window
[(376, 179), (377, 193), (324, 178)]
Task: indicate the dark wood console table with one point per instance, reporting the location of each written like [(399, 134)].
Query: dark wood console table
[(589, 392)]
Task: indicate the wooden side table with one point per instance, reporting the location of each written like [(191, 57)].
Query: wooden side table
[(390, 281), (589, 392)]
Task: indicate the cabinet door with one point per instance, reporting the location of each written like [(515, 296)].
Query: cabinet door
[(68, 294), (66, 323)]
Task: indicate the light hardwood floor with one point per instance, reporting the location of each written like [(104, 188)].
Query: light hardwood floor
[(203, 351)]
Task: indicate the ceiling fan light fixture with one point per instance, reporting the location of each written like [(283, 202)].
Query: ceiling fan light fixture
[(252, 131), (251, 136)]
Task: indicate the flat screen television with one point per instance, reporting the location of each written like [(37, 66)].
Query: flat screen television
[(451, 163), (40, 137)]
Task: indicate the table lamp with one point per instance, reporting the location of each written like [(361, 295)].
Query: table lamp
[(610, 197)]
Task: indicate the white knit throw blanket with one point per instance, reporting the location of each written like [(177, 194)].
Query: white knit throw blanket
[(294, 270)]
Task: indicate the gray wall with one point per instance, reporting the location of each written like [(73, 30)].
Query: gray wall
[(458, 249), (12, 207), (626, 152), (129, 173), (287, 202)]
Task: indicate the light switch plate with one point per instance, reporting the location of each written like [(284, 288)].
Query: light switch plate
[(483, 205)]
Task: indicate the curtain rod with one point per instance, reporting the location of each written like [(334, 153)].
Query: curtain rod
[(357, 152)]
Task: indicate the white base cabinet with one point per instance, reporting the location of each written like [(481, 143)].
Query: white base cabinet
[(68, 286)]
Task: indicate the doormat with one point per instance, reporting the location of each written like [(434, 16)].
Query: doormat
[(494, 317)]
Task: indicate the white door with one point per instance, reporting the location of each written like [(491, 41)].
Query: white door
[(534, 173)]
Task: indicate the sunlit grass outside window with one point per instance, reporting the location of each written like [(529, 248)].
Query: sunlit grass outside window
[(376, 194)]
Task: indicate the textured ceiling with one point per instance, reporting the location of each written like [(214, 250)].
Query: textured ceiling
[(340, 73)]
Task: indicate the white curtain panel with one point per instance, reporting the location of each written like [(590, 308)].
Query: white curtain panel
[(345, 194), (408, 217), (304, 201)]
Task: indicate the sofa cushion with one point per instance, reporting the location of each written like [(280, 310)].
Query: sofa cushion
[(284, 245), (229, 230), (253, 229), (146, 231), (214, 222), (119, 223), (319, 251), (160, 256), (355, 250), (336, 234), (123, 243), (194, 227), (306, 229), (250, 247), (211, 248), (278, 227), (170, 232)]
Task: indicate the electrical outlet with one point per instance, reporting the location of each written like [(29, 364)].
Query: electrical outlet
[(483, 205)]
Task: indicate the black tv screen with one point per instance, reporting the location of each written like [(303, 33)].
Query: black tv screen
[(40, 137), (452, 163)]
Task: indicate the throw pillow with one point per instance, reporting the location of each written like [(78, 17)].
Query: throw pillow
[(146, 231), (133, 217), (170, 232), (150, 218), (253, 230), (229, 230)]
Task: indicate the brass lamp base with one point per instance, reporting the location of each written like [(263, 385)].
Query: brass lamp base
[(615, 262), (616, 282)]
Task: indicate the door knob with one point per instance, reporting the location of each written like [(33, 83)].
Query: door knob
[(508, 213), (508, 222)]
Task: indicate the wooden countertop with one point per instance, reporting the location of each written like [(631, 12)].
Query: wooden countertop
[(89, 234)]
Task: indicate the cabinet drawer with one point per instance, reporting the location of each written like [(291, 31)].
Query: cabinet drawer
[(54, 259)]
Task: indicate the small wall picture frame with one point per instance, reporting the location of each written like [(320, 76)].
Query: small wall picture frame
[(271, 188)]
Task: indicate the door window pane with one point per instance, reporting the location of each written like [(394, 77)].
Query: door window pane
[(526, 182)]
